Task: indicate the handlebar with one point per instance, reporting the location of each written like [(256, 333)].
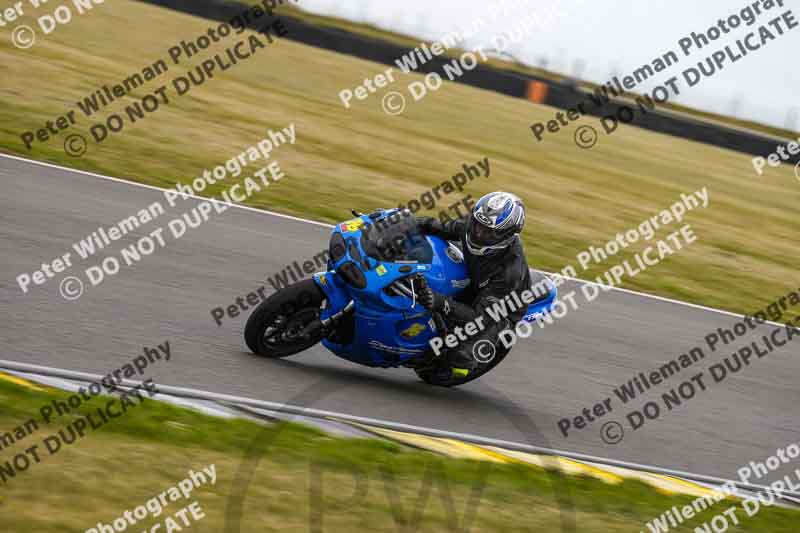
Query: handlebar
[(441, 325), (438, 320)]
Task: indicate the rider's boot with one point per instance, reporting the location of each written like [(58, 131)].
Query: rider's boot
[(457, 363)]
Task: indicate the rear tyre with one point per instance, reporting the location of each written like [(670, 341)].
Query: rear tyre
[(275, 328)]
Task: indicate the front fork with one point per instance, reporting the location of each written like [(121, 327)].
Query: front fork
[(327, 325), (339, 303)]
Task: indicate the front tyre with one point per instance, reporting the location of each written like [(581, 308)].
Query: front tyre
[(276, 327)]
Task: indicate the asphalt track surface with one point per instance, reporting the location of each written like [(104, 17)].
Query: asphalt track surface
[(561, 369)]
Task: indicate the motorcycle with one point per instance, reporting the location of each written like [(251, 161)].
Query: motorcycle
[(364, 307)]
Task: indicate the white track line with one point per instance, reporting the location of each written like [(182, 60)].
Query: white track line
[(660, 298), (323, 224), (396, 426), (153, 187)]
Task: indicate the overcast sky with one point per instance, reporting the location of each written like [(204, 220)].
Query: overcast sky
[(614, 37)]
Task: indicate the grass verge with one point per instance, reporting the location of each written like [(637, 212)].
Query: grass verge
[(305, 480)]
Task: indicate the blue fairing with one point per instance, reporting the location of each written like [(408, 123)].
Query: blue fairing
[(368, 255)]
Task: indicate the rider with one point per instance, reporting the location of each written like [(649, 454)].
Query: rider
[(495, 259)]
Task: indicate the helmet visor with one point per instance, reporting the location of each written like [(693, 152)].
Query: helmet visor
[(481, 234)]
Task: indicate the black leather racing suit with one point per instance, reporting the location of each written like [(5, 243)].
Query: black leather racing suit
[(492, 277)]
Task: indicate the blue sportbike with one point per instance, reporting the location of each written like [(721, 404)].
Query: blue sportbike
[(364, 307)]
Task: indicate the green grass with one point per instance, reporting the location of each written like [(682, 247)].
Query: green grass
[(299, 477), (362, 158)]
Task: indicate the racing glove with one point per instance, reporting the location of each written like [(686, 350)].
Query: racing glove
[(426, 225), (432, 300), (452, 230)]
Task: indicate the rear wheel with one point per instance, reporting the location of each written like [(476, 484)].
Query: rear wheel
[(276, 327)]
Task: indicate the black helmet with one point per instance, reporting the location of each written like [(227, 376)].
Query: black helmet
[(496, 219)]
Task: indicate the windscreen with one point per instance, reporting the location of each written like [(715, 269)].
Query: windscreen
[(396, 239)]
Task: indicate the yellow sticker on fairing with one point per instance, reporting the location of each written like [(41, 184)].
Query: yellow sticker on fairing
[(351, 225), (413, 330), (381, 270)]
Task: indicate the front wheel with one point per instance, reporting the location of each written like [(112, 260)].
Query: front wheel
[(276, 327)]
